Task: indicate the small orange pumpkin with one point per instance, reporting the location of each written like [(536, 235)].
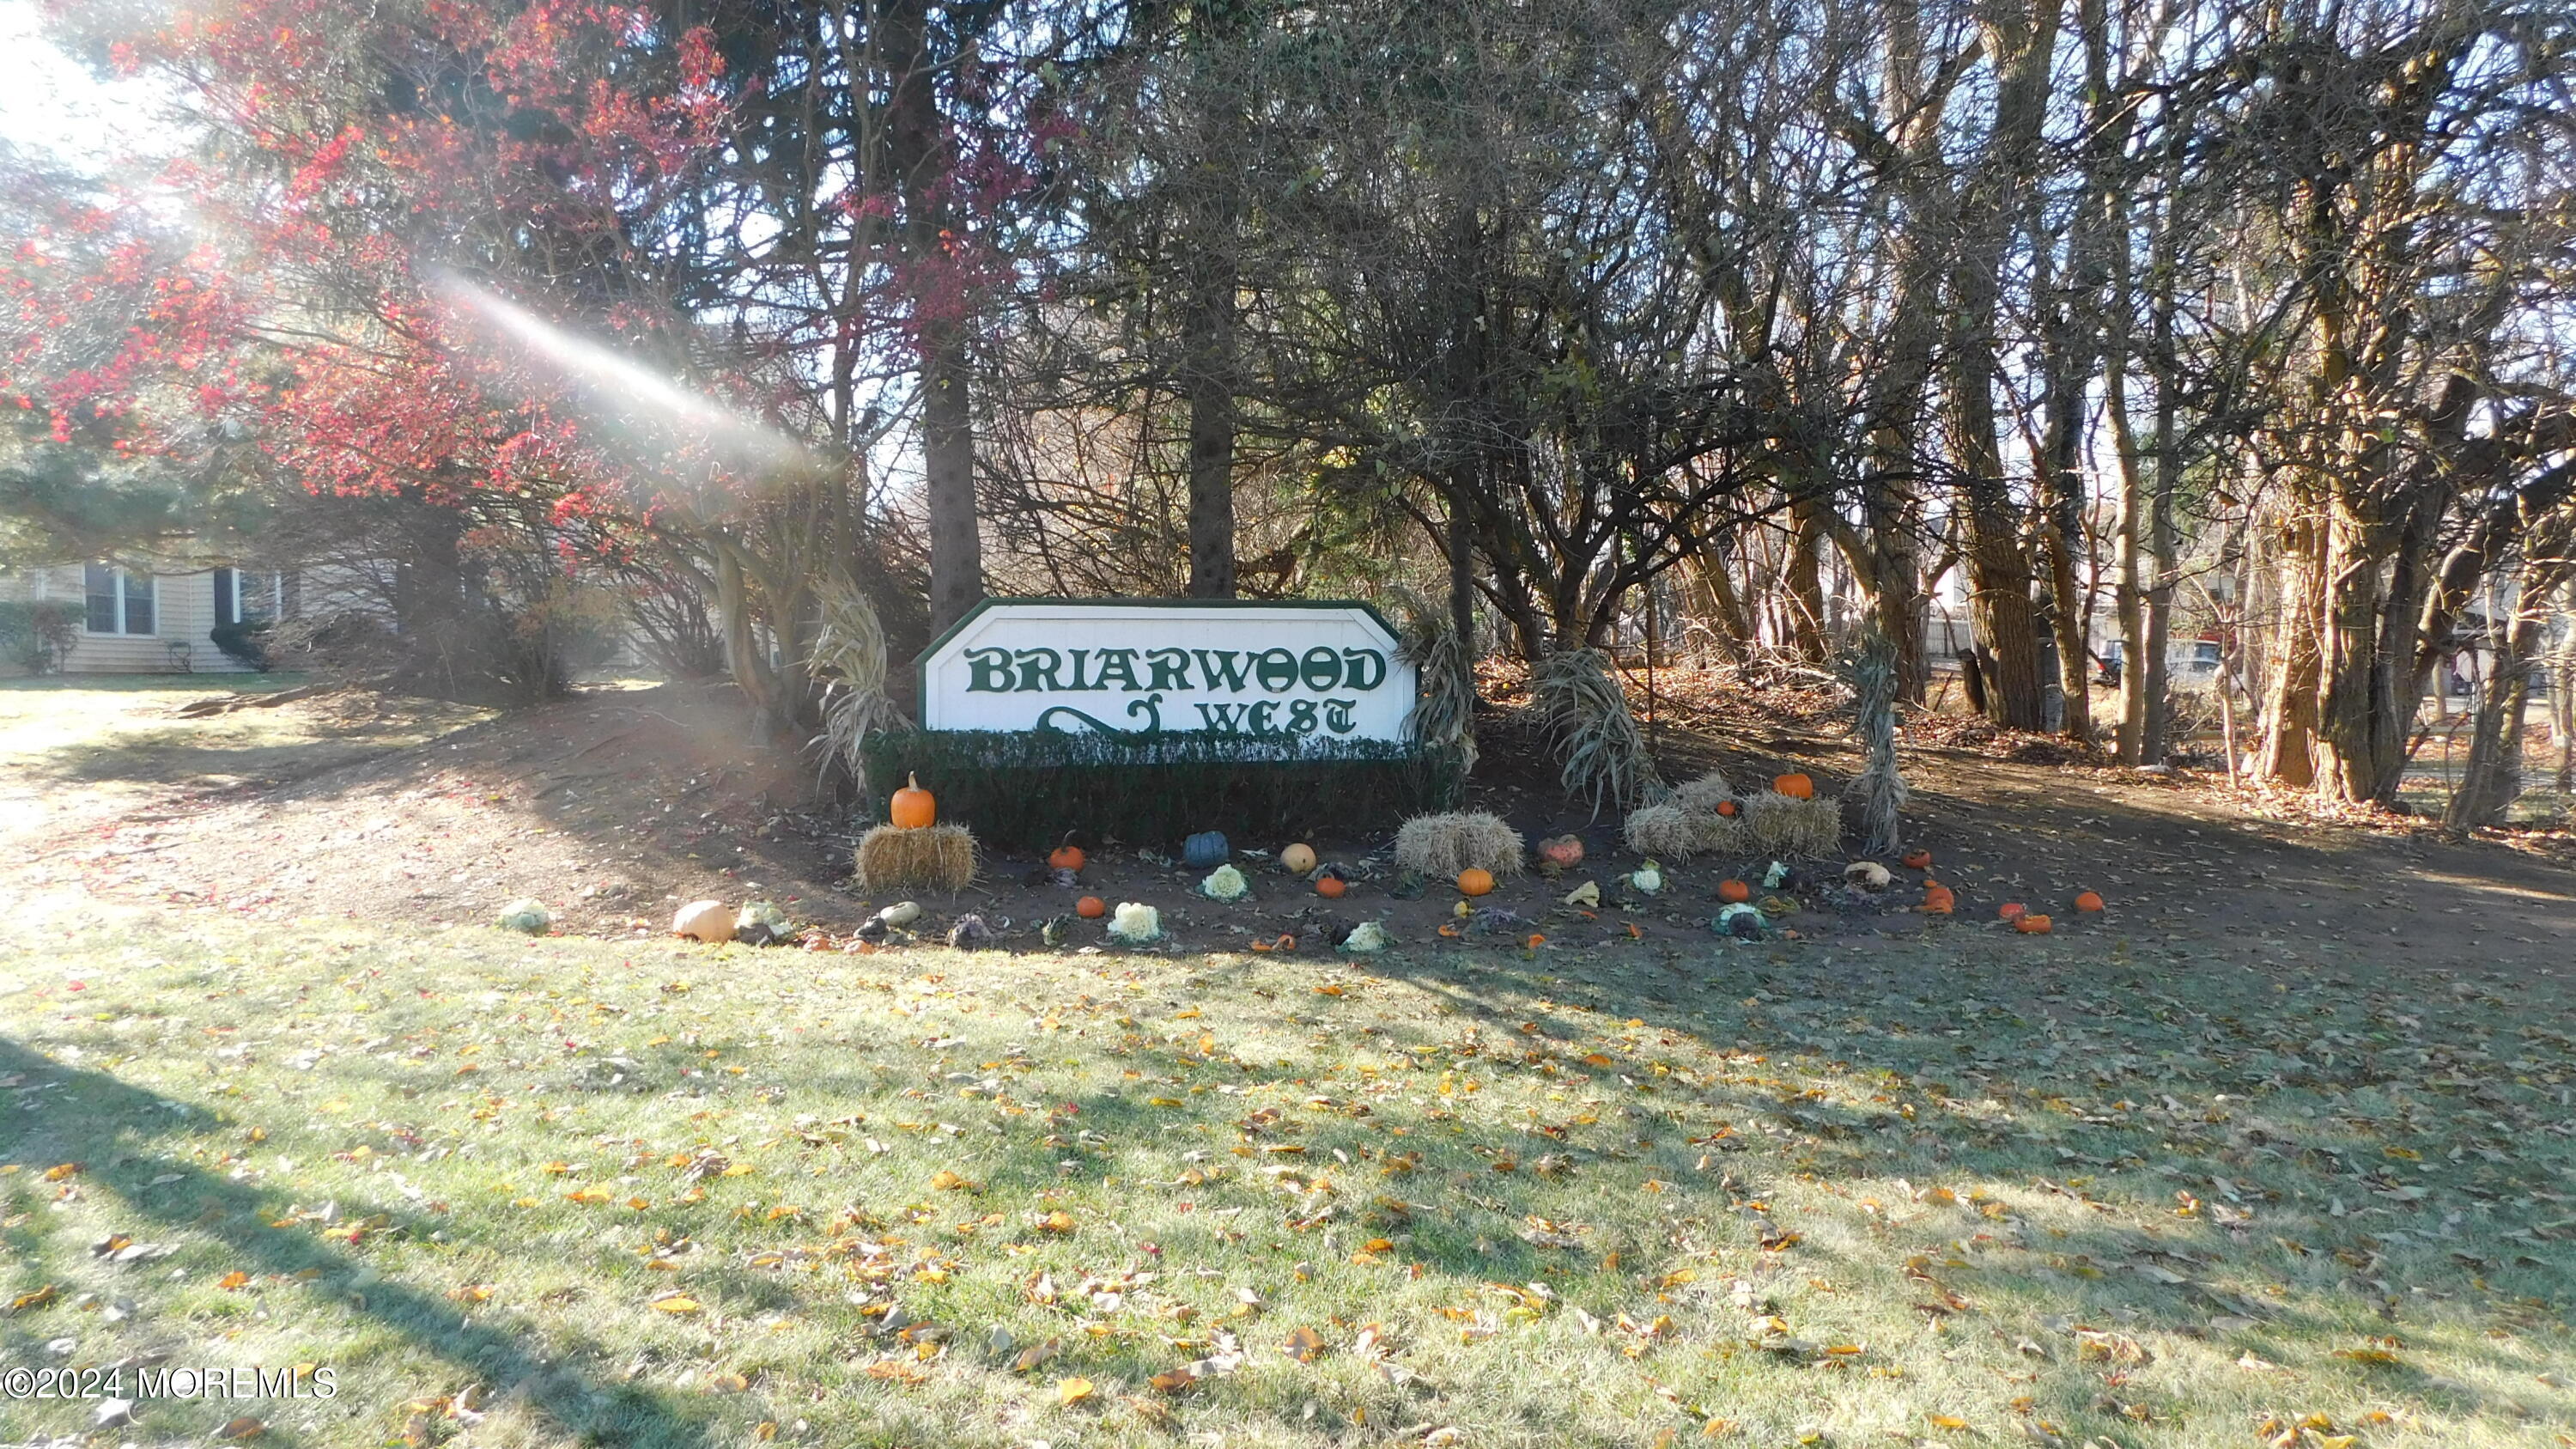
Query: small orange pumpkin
[(1475, 880), (2088, 901), (1729, 809), (1066, 857), (2031, 923), (1091, 908), (2010, 910), (1796, 787), (1918, 859), (1938, 899), (1732, 891), (1330, 887), (912, 806)]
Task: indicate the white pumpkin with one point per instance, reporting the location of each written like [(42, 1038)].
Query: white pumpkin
[(708, 921)]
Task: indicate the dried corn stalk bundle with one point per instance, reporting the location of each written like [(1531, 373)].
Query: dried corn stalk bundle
[(1602, 754)]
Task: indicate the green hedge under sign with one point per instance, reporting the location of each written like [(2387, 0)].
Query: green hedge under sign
[(1028, 791)]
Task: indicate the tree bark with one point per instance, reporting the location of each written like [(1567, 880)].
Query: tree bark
[(921, 155), (2290, 709), (1210, 385)]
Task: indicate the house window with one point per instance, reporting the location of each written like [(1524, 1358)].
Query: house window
[(120, 600)]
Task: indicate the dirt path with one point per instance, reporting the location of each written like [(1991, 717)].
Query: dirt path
[(615, 805)]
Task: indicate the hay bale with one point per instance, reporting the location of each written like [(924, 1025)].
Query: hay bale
[(1669, 831), (933, 857), (1786, 826), (1703, 795), (1440, 846), (1723, 834)]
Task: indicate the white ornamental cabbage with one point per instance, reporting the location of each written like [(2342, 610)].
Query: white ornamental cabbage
[(1135, 924)]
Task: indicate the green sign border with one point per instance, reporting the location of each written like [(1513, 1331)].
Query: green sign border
[(921, 661)]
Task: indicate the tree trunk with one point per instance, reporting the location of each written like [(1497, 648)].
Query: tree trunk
[(1210, 387), (920, 153), (1802, 588), (2290, 711), (743, 658), (2349, 702), (2491, 776), (2164, 548)]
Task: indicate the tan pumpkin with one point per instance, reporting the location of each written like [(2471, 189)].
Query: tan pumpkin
[(912, 807), (1796, 787), (1475, 880), (1297, 859)]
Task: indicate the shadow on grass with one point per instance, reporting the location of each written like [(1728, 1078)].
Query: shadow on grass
[(147, 1165)]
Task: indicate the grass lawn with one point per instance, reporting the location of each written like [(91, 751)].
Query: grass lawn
[(1997, 1189)]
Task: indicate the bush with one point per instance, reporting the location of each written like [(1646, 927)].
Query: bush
[(1027, 791), (38, 637), (246, 641)]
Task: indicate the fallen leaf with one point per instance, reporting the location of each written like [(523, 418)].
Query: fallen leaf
[(1069, 1392)]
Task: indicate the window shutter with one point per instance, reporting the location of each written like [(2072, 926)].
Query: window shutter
[(227, 597)]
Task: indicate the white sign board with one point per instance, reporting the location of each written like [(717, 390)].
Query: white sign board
[(1265, 671)]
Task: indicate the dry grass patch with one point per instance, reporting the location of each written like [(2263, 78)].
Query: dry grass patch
[(558, 1191)]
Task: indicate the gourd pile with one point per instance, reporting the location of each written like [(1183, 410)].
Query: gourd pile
[(1474, 851)]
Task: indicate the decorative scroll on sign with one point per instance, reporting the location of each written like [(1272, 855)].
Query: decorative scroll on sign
[(1265, 671)]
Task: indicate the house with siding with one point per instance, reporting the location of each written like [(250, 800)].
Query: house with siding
[(136, 621)]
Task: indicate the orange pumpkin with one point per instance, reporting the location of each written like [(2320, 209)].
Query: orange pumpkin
[(2031, 923), (1091, 908), (2010, 910), (1729, 809), (2088, 901), (1475, 880), (1796, 787), (1066, 857), (1330, 887), (1918, 859), (1938, 899), (1732, 891), (912, 806)]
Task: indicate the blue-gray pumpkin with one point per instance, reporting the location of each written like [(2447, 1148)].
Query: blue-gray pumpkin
[(1205, 849)]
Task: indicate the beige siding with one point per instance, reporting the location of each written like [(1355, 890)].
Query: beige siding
[(184, 610)]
